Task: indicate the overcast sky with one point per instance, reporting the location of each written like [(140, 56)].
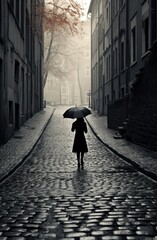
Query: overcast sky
[(85, 5)]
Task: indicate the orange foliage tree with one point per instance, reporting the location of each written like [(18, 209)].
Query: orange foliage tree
[(59, 17)]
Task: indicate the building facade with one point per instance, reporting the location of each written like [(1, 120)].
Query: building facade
[(123, 40), (122, 32), (21, 61)]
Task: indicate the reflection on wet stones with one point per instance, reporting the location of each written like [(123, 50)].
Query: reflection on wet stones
[(48, 198)]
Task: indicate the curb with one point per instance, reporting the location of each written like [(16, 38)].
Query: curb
[(25, 155), (137, 166)]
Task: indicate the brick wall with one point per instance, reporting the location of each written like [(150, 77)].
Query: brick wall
[(142, 124), (118, 113)]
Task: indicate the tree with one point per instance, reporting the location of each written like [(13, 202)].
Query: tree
[(59, 18)]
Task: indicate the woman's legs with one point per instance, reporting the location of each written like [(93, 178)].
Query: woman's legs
[(82, 155), (78, 158)]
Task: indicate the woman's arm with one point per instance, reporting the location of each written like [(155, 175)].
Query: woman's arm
[(85, 127)]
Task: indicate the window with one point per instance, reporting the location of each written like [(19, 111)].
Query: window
[(107, 15), (22, 16), (17, 116), (100, 8), (27, 33), (116, 60), (107, 73), (113, 8), (105, 100), (108, 99), (12, 4), (122, 55), (116, 5), (16, 71), (133, 40), (22, 91), (145, 35), (17, 10), (113, 62), (109, 66), (145, 27), (10, 112), (133, 35), (122, 91), (100, 71), (121, 3), (114, 95)]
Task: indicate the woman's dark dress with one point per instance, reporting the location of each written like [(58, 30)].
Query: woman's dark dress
[(80, 144)]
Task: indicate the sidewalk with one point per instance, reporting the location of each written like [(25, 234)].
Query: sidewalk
[(14, 152), (142, 159)]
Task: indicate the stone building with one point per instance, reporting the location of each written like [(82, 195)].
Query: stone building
[(21, 61), (123, 34)]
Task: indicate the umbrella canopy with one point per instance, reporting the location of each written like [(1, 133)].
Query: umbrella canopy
[(76, 112)]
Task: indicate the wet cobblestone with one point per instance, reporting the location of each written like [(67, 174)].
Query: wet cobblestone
[(49, 198)]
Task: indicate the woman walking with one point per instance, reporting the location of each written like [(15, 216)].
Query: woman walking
[(79, 145)]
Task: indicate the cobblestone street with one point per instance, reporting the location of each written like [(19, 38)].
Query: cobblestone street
[(49, 198)]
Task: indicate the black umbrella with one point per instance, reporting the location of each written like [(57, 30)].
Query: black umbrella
[(76, 112)]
